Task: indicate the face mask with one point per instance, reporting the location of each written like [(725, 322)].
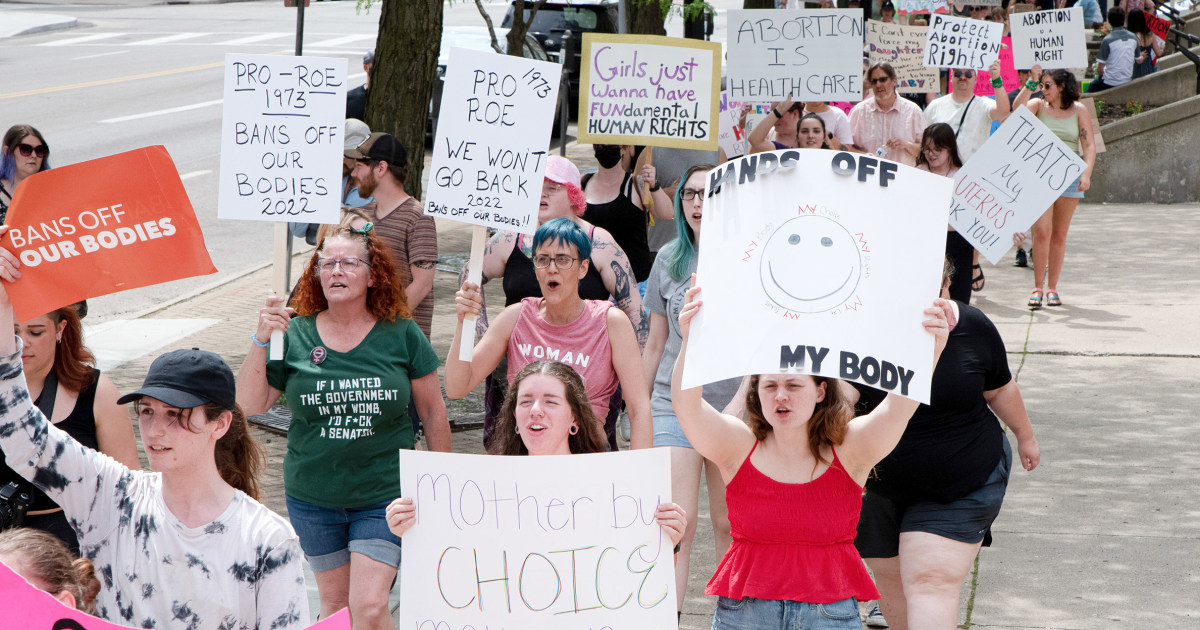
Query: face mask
[(608, 155)]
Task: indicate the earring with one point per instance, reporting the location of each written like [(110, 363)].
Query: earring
[(574, 429), (517, 429), (58, 340)]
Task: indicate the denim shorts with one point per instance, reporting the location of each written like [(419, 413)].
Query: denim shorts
[(328, 535), (1072, 191), (667, 431), (764, 614), (967, 519)]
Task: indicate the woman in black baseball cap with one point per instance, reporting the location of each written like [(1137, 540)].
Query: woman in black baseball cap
[(186, 543)]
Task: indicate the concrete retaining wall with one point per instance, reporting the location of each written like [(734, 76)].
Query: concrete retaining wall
[(1152, 157), (1168, 85)]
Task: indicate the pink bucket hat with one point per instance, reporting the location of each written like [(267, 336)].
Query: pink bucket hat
[(562, 171)]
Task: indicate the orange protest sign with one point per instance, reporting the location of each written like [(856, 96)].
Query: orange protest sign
[(101, 226)]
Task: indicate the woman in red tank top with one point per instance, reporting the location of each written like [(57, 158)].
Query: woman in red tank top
[(793, 476)]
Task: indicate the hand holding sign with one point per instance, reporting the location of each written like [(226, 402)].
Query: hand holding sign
[(101, 226)]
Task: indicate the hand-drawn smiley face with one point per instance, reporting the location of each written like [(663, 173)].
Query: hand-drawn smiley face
[(810, 264)]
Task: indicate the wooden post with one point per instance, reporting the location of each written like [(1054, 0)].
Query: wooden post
[(474, 274), (280, 282)]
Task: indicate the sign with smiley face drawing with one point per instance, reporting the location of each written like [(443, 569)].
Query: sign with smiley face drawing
[(819, 262)]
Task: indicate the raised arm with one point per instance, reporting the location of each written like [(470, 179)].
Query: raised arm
[(662, 207), (1003, 107), (464, 376), (871, 437), (1023, 97), (627, 363), (757, 141), (613, 265), (723, 439), (1008, 405), (254, 394)]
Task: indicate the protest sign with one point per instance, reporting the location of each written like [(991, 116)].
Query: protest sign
[(910, 7), (492, 139), (1008, 72), (97, 227), (902, 46), (30, 608), (806, 267), (566, 542), (649, 90), (281, 138), (1009, 182), (956, 42), (1158, 26), (811, 55), (731, 137), (1054, 39)]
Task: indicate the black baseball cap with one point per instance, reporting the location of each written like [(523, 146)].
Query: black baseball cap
[(187, 379), (380, 147)]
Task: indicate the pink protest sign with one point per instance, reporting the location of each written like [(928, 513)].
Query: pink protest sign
[(1008, 72), (30, 608)]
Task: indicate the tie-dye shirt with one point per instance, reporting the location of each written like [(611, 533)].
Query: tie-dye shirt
[(242, 571)]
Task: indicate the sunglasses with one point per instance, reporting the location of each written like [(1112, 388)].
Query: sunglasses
[(27, 150), (879, 80), (1047, 85), (958, 74)]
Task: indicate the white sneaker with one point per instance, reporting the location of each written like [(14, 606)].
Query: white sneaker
[(875, 618)]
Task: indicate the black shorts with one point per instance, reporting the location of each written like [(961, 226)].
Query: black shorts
[(967, 519)]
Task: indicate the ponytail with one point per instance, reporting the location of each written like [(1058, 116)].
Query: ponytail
[(240, 458)]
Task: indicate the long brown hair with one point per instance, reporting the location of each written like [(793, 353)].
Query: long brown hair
[(590, 437), (826, 426), (72, 360), (240, 457), (385, 296), (53, 565)]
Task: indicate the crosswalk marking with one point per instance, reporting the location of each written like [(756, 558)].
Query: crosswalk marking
[(339, 41), (85, 39), (166, 39), (252, 39)]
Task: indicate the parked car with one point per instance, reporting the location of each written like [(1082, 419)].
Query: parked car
[(577, 16), (477, 38)]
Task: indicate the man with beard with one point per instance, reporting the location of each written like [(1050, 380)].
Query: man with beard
[(614, 202), (381, 165)]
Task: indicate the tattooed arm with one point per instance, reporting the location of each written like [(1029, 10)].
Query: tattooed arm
[(1087, 145), (422, 281), (614, 268)]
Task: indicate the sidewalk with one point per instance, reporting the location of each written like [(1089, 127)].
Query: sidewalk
[(14, 20)]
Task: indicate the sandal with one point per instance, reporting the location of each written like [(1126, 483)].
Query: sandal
[(1052, 298), (1035, 300), (977, 282)]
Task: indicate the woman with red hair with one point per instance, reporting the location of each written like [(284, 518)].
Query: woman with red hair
[(353, 357)]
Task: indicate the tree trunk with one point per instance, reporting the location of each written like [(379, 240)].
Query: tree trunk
[(645, 18), (516, 33), (759, 4), (410, 35)]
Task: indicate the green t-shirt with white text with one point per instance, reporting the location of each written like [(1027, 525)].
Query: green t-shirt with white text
[(349, 411)]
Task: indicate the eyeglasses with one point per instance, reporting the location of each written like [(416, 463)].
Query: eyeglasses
[(561, 261), (689, 194), (1047, 84), (958, 74), (879, 80), (549, 187), (27, 150), (348, 265)]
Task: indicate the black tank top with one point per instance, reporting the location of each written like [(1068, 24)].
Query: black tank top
[(80, 424), (627, 223), (520, 278)]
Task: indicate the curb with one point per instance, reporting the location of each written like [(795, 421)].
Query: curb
[(65, 23)]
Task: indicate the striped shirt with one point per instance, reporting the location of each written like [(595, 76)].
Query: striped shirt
[(411, 239)]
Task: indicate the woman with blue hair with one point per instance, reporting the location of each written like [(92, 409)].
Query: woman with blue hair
[(23, 153), (592, 336), (664, 296)]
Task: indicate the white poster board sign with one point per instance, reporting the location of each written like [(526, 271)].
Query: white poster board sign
[(281, 138), (1009, 182), (1054, 39), (956, 42), (566, 542), (649, 90), (811, 54), (493, 135), (808, 265), (902, 46), (731, 137)]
